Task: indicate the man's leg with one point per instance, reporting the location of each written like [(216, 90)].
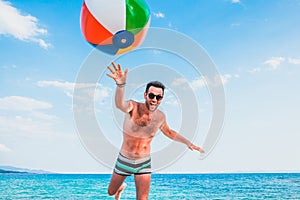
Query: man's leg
[(142, 184), (116, 185)]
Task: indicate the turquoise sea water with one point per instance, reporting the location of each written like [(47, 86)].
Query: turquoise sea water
[(171, 186)]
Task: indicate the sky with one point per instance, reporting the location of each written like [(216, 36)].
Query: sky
[(254, 45)]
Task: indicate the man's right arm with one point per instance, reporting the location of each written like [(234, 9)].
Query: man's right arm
[(120, 78), (125, 106)]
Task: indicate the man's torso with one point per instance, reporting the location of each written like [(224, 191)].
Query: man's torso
[(139, 128)]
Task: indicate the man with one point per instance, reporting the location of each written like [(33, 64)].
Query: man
[(142, 121)]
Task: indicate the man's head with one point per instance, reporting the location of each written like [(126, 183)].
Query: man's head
[(154, 94), (156, 84)]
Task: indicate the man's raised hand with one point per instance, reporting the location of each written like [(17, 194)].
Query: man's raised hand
[(117, 74)]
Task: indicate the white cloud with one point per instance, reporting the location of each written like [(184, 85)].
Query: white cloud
[(171, 102), (66, 86), (294, 61), (274, 62), (178, 82), (170, 25), (22, 115), (170, 99), (22, 27), (43, 116), (26, 124), (199, 83), (9, 67), (94, 90), (226, 77), (255, 70), (87, 93), (22, 104), (203, 81), (159, 15), (235, 25), (235, 1), (4, 148), (217, 81)]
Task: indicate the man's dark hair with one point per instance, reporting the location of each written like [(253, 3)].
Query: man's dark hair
[(155, 84)]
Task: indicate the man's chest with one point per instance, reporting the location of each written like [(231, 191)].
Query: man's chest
[(144, 125)]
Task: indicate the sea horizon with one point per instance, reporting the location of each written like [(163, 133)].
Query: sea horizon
[(185, 173), (163, 186), (44, 171)]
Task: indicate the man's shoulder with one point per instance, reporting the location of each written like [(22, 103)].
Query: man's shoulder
[(133, 101), (160, 113)]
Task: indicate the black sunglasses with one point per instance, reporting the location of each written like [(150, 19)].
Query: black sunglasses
[(152, 96)]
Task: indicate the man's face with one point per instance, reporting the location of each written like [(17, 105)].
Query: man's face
[(153, 98)]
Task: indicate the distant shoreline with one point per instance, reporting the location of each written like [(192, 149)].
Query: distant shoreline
[(11, 172), (155, 174), (16, 170)]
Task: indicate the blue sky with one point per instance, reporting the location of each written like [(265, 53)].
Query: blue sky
[(254, 44)]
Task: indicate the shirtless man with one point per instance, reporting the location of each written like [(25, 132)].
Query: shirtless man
[(142, 121)]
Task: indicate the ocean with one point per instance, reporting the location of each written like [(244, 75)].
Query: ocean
[(163, 186)]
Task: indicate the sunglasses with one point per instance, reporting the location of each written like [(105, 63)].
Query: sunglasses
[(152, 96)]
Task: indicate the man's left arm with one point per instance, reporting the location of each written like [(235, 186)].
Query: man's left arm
[(179, 138)]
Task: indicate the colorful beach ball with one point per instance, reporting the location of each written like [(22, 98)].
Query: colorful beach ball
[(115, 26)]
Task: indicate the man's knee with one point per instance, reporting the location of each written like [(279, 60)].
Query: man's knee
[(144, 197), (111, 192)]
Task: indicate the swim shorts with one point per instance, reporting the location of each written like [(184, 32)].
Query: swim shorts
[(127, 167)]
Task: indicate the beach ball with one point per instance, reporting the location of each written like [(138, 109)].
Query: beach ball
[(114, 26)]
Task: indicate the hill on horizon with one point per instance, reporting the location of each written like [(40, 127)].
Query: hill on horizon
[(10, 169)]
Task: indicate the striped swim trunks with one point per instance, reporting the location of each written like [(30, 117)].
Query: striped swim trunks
[(126, 167)]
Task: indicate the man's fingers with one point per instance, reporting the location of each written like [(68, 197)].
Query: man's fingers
[(116, 72), (201, 150), (126, 71), (113, 64), (110, 69), (194, 147), (198, 149), (111, 76)]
